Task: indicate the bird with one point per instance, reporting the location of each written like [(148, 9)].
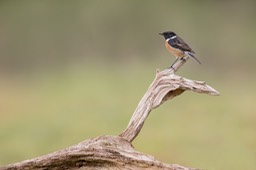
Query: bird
[(177, 46)]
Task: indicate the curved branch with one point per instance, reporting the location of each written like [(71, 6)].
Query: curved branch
[(165, 86)]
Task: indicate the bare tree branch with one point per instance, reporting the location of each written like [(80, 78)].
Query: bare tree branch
[(165, 86)]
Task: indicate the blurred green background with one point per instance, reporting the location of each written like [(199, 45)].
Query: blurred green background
[(73, 70)]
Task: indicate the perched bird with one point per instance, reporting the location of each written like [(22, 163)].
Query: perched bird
[(177, 46)]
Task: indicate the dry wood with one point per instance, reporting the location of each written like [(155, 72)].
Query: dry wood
[(117, 152), (165, 86), (105, 152)]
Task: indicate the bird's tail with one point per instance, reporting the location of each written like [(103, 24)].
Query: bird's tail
[(192, 55)]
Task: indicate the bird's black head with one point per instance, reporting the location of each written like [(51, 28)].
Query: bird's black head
[(167, 34)]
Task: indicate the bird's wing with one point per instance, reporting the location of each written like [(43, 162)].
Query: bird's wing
[(179, 43)]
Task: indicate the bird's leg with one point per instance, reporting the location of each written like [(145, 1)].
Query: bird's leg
[(171, 67), (183, 59)]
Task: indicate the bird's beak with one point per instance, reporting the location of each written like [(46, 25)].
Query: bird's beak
[(160, 33)]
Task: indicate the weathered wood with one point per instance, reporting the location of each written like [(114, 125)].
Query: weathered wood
[(101, 153), (165, 86), (117, 152)]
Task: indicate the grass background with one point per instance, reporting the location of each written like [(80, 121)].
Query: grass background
[(73, 70)]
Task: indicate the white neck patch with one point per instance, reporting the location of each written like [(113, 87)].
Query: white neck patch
[(173, 37)]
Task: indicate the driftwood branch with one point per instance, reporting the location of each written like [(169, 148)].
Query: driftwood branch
[(165, 86), (105, 152), (117, 152)]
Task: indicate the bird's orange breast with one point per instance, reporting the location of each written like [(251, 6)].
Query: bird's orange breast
[(174, 51)]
